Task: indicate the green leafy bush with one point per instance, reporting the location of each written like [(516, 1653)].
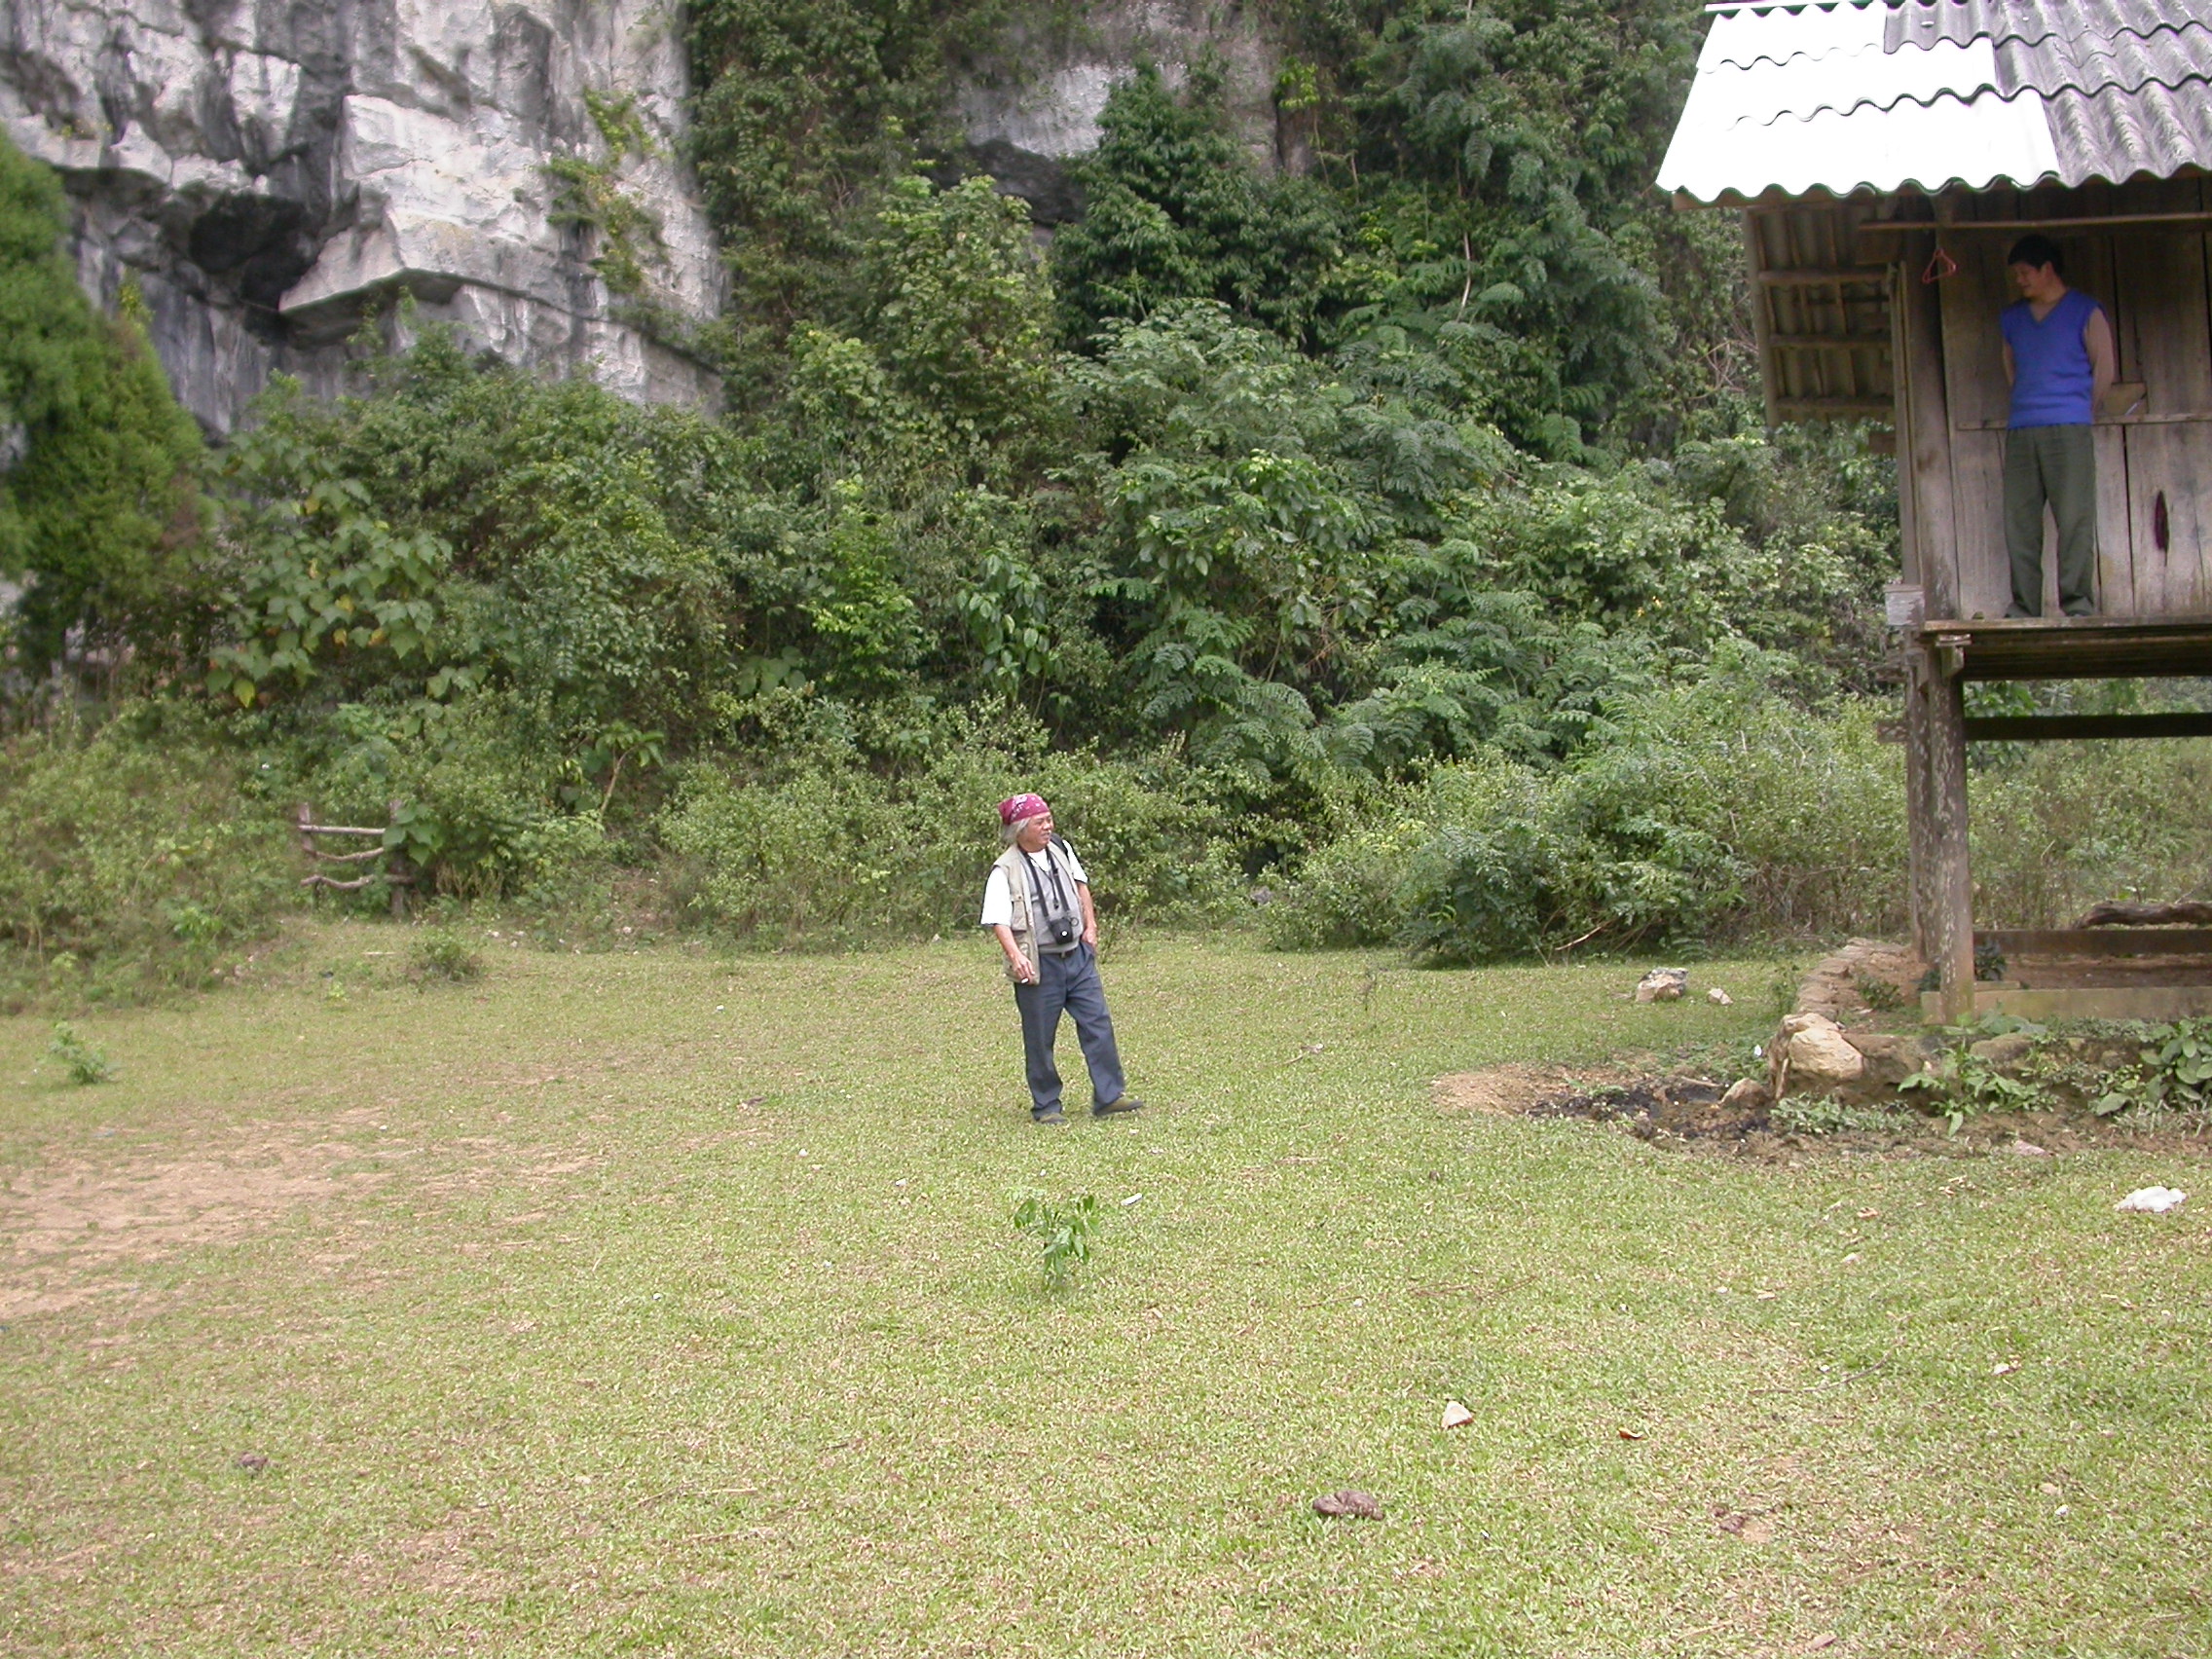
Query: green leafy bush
[(1711, 810), (82, 1062), (1959, 1083), (100, 510), (826, 847), (440, 953), (129, 860)]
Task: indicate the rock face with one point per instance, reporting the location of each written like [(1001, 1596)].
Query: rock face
[(272, 172), (1027, 115)]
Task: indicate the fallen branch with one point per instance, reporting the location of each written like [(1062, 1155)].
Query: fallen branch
[(2186, 913)]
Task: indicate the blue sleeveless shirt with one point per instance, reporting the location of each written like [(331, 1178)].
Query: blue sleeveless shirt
[(2052, 382)]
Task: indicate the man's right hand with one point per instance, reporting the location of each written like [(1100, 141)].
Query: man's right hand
[(1024, 970)]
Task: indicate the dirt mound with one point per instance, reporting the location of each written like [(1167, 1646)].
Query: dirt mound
[(1686, 1113), (1680, 1108)]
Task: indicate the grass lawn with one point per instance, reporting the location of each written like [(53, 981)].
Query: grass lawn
[(659, 1304)]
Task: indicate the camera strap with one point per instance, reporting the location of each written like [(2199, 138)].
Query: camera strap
[(1054, 900)]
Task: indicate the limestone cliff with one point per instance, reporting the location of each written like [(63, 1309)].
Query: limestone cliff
[(269, 173), (272, 172)]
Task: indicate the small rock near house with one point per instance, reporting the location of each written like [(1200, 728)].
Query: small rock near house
[(1719, 998), (1889, 1057), (2002, 1051), (1810, 1052), (1746, 1095), (1662, 984)]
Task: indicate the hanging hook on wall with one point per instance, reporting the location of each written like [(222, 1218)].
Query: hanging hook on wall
[(1939, 267)]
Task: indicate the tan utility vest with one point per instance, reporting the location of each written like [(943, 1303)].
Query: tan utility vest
[(1017, 889)]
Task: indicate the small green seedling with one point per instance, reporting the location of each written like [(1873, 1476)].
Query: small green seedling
[(1963, 1085), (85, 1064), (1065, 1233), (2175, 1072), (443, 954)]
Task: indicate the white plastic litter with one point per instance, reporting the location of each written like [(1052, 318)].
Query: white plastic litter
[(2153, 1200)]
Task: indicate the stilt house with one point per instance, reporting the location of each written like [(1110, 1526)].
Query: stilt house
[(1886, 154)]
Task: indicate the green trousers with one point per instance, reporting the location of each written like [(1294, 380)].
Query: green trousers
[(2058, 464)]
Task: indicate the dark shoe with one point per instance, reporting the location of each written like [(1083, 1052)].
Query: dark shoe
[(1115, 1108), (1051, 1115)]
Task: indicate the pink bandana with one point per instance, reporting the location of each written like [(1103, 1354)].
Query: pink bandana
[(1015, 808)]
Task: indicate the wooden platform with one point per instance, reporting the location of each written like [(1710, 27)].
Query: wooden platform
[(2082, 1002), (2074, 647), (2117, 972)]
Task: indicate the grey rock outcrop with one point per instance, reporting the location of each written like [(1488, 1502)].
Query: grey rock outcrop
[(272, 172), (1036, 106)]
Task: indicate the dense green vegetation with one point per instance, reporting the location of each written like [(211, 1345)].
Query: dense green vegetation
[(98, 512), (1398, 537)]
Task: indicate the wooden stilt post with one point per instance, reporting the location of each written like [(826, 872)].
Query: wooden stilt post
[(1919, 804), (1951, 885)]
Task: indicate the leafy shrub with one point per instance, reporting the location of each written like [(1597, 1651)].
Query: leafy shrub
[(828, 847), (2173, 1073), (128, 860), (99, 507), (80, 1061), (1709, 810), (2059, 827), (1958, 1084), (440, 953)]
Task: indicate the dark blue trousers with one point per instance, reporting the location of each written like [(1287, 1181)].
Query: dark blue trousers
[(1071, 982)]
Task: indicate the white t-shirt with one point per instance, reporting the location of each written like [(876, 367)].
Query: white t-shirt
[(998, 902)]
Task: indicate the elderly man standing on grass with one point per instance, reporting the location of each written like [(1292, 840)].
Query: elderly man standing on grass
[(1037, 901)]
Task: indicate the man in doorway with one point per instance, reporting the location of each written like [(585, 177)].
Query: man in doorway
[(2060, 363), (1037, 901)]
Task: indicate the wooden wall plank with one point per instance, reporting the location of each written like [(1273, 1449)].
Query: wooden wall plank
[(1974, 348), (1935, 512), (2165, 285), (1978, 503), (1979, 396)]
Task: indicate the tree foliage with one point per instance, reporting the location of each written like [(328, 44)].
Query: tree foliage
[(98, 505)]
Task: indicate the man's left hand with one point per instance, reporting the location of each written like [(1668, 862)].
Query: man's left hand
[(1090, 936)]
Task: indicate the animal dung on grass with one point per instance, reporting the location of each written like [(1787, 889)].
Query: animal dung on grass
[(1662, 984), (1457, 1416), (2152, 1201), (1349, 1504)]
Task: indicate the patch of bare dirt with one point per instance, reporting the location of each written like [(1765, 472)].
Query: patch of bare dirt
[(80, 1213), (1511, 1090), (73, 1227)]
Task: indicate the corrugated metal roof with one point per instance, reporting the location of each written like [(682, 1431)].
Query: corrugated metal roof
[(1867, 95)]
